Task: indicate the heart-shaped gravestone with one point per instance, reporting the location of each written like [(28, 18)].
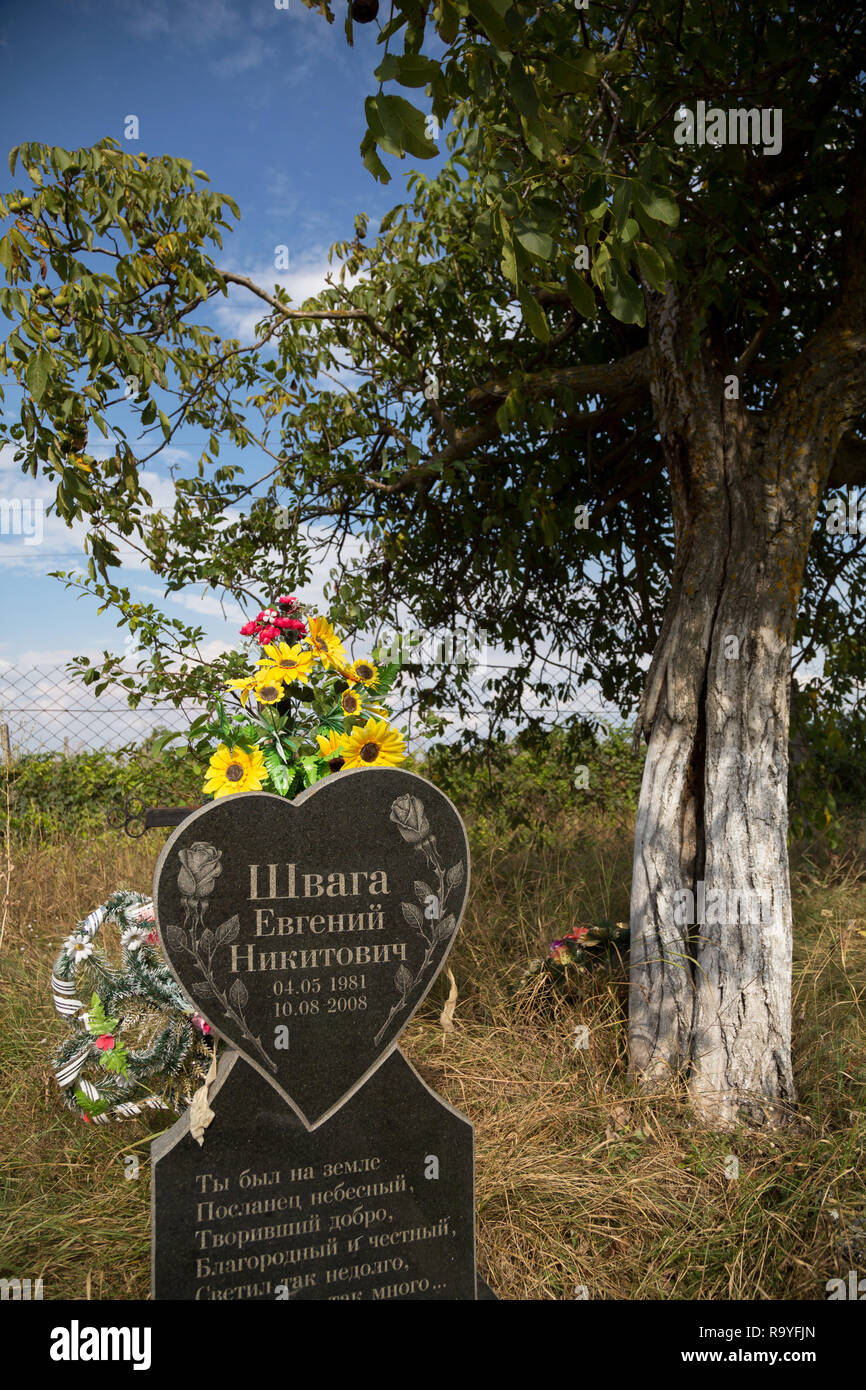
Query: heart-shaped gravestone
[(308, 932)]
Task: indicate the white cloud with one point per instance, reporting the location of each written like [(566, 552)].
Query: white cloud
[(237, 315)]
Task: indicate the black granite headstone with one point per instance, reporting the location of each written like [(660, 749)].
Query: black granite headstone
[(308, 933), (375, 1203)]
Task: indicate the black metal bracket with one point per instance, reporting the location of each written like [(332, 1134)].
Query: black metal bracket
[(133, 817)]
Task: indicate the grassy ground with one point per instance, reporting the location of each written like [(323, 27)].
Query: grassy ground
[(580, 1182)]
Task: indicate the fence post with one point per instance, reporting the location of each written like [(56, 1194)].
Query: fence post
[(7, 747)]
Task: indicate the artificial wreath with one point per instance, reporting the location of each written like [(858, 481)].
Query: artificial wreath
[(136, 1042)]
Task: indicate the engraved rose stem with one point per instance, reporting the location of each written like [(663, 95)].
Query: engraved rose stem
[(227, 1008), (434, 861)]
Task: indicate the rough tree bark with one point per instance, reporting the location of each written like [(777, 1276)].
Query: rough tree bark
[(711, 1002)]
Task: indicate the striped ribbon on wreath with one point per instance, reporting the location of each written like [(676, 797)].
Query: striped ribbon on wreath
[(136, 1042)]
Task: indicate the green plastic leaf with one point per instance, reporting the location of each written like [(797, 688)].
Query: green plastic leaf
[(90, 1107), (115, 1059), (280, 775), (98, 1021)]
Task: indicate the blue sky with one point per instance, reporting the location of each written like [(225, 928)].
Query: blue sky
[(270, 104)]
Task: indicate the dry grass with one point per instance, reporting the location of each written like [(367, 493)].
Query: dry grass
[(579, 1180)]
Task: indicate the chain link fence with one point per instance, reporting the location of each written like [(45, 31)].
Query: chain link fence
[(45, 709)]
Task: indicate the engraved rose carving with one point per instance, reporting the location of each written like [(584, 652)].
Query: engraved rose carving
[(198, 873), (407, 813)]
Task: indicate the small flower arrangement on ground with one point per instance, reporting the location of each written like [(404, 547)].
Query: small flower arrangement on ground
[(582, 949), (303, 711)]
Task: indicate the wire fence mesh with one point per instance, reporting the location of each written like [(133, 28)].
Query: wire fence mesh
[(45, 709)]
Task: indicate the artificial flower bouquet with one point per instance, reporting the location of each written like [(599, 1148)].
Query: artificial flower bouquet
[(583, 948), (304, 710)]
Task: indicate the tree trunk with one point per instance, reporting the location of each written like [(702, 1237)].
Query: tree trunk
[(711, 998)]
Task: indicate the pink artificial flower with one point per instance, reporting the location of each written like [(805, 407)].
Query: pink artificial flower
[(287, 602), (105, 1042), (289, 623), (268, 634), (152, 938), (248, 629), (201, 1024), (576, 933)]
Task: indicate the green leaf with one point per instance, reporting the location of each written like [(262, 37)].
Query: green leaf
[(98, 1021), (522, 89), (115, 1059), (163, 740), (652, 267), (409, 69), (534, 317), (594, 199), (621, 203), (314, 768), (535, 242), (398, 126), (90, 1107), (490, 15), (656, 202), (6, 253), (622, 295), (580, 293), (36, 373), (371, 159), (280, 775), (573, 74)]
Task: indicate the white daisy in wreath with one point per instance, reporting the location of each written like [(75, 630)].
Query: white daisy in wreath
[(78, 948), (133, 938)]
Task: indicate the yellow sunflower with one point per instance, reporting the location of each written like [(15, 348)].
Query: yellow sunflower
[(243, 687), (363, 671), (350, 702), (235, 771), (376, 745), (286, 663), (269, 687), (331, 746), (325, 643)]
